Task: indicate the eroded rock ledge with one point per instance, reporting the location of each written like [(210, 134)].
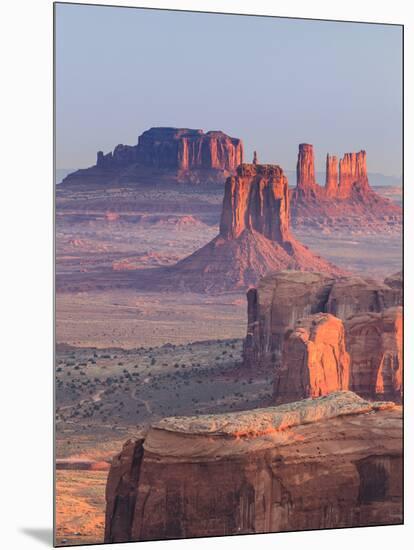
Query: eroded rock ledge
[(329, 462)]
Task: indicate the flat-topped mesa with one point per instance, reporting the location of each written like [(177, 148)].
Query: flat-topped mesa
[(305, 167), (353, 174), (331, 181), (186, 149), (257, 199), (184, 153)]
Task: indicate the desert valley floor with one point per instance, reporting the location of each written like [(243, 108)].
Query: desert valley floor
[(127, 356)]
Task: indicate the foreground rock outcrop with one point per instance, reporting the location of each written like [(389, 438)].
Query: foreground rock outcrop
[(258, 471), (281, 299), (346, 202), (179, 154), (254, 238)]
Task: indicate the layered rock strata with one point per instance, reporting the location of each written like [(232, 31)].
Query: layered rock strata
[(181, 153), (281, 299), (265, 470)]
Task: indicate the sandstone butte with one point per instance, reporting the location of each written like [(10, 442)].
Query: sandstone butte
[(322, 334), (259, 471), (180, 154), (254, 238), (281, 299), (347, 199)]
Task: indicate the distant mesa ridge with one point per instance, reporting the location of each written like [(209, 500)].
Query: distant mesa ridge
[(178, 150)]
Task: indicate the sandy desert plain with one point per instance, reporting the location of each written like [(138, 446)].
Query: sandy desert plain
[(126, 357)]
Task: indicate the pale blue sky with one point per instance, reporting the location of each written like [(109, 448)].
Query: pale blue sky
[(272, 82)]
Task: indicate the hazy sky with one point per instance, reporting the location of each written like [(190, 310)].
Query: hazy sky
[(272, 82)]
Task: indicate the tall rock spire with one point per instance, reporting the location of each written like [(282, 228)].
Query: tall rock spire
[(331, 182), (305, 167)]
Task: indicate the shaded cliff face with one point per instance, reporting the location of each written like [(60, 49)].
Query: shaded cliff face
[(374, 341), (243, 472), (257, 199), (181, 153), (281, 299), (314, 359), (254, 238)]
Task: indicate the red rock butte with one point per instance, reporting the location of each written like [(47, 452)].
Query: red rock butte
[(320, 334), (183, 154), (347, 200), (254, 238)]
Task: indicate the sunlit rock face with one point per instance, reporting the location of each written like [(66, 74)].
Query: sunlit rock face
[(256, 199), (305, 167), (314, 359), (258, 471), (187, 149), (331, 180), (353, 174)]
